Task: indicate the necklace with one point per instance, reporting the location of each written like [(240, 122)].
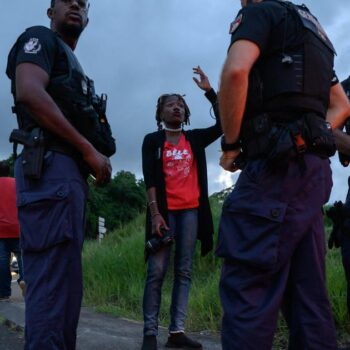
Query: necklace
[(171, 129)]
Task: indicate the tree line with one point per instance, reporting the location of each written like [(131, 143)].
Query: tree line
[(118, 202)]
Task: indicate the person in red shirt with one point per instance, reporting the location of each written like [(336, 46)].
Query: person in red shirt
[(175, 174), (9, 232)]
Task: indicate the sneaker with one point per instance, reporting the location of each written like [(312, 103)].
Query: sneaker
[(22, 285), (4, 298), (149, 342), (182, 341)]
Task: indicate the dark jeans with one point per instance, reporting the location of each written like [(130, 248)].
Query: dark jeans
[(183, 225), (8, 246)]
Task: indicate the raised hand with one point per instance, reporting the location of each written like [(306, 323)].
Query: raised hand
[(203, 81)]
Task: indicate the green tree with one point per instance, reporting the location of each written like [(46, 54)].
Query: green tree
[(118, 202)]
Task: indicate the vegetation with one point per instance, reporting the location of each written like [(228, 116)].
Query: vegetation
[(114, 274), (114, 271), (118, 202)]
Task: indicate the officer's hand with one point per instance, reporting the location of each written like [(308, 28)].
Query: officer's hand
[(158, 222), (203, 83), (227, 160), (99, 165)]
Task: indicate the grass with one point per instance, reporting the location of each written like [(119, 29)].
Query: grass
[(114, 274)]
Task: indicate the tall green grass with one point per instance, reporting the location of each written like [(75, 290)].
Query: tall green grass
[(114, 274)]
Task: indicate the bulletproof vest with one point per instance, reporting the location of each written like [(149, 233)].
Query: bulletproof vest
[(346, 86), (306, 65), (74, 91), (74, 94)]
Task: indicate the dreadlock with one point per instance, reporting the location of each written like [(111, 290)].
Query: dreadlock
[(160, 104), (53, 3)]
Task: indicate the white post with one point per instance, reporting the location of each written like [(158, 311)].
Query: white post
[(101, 229)]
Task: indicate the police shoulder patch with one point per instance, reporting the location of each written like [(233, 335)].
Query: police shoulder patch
[(236, 23), (32, 46)]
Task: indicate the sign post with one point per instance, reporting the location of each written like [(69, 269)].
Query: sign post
[(101, 229)]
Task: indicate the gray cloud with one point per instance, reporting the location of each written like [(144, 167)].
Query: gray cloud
[(136, 50)]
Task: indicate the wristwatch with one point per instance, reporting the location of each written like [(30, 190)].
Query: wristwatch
[(230, 146)]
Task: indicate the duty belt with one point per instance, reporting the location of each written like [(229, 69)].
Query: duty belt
[(279, 139)]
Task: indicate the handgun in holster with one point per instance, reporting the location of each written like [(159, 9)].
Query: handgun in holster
[(344, 158), (33, 150)]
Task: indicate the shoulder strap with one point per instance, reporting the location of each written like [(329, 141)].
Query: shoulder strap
[(309, 22)]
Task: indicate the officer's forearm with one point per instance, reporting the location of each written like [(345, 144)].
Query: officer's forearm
[(342, 141), (47, 114), (339, 107), (232, 100), (234, 86), (31, 83)]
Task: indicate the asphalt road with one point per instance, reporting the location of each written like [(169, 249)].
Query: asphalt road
[(10, 339)]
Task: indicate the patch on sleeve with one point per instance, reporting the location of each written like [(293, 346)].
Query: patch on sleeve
[(236, 23), (32, 46)]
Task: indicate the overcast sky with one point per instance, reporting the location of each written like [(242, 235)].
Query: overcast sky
[(136, 50)]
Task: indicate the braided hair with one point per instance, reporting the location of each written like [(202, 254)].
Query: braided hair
[(160, 104), (53, 4)]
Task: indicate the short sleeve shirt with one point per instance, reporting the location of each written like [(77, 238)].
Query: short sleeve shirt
[(38, 45), (257, 23), (181, 175)]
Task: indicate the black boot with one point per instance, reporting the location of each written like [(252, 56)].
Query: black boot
[(181, 341), (149, 342)]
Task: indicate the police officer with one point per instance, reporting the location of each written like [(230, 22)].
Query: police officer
[(340, 213), (277, 89), (56, 107)]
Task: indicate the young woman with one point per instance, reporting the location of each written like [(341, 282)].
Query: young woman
[(175, 173)]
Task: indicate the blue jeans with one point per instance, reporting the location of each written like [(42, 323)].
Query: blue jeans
[(183, 225), (8, 246)]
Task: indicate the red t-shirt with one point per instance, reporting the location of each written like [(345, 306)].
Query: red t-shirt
[(181, 177), (9, 226)]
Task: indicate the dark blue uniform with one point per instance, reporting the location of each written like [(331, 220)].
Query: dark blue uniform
[(345, 237), (345, 246), (271, 233), (52, 215)]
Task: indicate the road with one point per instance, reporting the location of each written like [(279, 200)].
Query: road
[(10, 339)]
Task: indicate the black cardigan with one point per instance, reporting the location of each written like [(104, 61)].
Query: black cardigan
[(152, 166)]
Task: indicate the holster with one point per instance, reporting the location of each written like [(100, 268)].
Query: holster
[(319, 136), (33, 150), (279, 139)]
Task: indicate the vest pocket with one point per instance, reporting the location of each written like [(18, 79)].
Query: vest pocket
[(45, 217), (249, 231)]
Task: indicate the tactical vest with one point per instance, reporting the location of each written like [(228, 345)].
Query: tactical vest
[(306, 67), (75, 96)]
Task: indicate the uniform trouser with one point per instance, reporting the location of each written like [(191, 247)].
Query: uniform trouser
[(51, 214), (272, 238), (345, 252), (345, 249)]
